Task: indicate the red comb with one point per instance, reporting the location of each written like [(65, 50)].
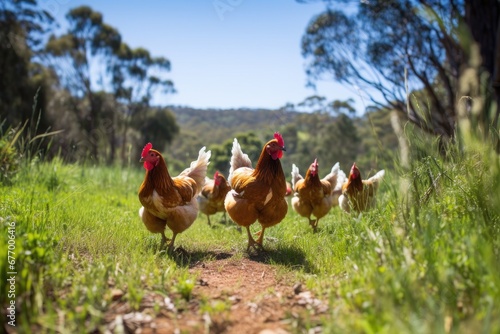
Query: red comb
[(146, 149), (279, 138), (216, 174)]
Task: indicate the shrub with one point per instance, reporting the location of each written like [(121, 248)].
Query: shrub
[(9, 160)]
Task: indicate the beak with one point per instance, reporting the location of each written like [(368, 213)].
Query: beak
[(283, 148), (141, 160)]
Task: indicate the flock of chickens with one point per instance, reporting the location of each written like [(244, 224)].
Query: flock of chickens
[(250, 194)]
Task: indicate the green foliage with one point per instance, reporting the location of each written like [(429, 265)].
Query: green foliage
[(425, 260), (109, 101), (22, 29), (330, 137), (9, 161), (158, 126), (378, 147), (21, 142), (357, 45), (185, 288)]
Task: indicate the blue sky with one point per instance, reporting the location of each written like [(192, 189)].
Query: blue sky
[(224, 53)]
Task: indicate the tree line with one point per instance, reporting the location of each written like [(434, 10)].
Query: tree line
[(87, 81), (331, 134), (430, 63)]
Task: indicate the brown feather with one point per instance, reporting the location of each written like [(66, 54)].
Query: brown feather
[(312, 196), (254, 187), (361, 193)]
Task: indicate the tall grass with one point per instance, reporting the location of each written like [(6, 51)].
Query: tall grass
[(426, 260), (23, 143)]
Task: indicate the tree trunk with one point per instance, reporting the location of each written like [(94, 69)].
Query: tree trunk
[(93, 124), (496, 86), (483, 18)]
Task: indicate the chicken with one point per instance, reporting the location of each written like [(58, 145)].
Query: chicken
[(257, 194), (357, 194), (170, 201), (312, 195), (211, 199)]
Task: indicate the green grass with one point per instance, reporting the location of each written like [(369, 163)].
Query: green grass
[(425, 261)]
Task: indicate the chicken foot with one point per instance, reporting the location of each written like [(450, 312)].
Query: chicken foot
[(314, 224), (261, 236), (171, 244), (164, 240), (257, 245)]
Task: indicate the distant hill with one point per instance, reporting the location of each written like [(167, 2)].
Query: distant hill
[(369, 140), (214, 126)]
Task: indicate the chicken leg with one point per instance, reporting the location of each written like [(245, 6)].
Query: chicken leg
[(164, 240), (257, 245), (261, 237), (171, 244), (313, 223)]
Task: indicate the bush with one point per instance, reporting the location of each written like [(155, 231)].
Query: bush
[(9, 161)]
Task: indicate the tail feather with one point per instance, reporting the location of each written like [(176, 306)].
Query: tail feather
[(341, 179), (377, 177), (337, 190), (238, 159), (295, 176), (332, 177), (198, 169)]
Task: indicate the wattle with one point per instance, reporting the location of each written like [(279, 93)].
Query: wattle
[(148, 165), (277, 155)]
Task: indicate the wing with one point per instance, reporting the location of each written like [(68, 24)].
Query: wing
[(375, 180), (208, 188), (241, 178), (327, 188), (186, 187), (332, 177)]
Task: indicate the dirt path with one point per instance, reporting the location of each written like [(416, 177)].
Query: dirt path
[(230, 296)]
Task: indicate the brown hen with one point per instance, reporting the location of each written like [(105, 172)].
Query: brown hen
[(257, 194), (312, 195), (357, 194), (170, 201), (211, 199)]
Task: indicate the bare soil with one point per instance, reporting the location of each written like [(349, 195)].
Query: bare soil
[(231, 295)]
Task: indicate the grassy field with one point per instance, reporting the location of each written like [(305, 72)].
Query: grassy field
[(427, 260)]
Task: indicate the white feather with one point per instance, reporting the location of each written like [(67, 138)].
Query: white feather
[(238, 159), (377, 177), (295, 176), (198, 168)]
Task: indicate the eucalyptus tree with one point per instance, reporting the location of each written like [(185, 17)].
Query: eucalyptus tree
[(90, 58), (391, 48), (23, 26), (82, 57), (137, 78), (329, 131)]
